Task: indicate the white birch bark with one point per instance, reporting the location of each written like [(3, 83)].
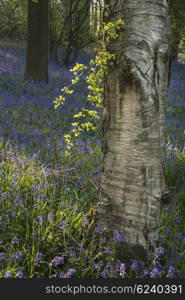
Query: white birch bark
[(132, 182)]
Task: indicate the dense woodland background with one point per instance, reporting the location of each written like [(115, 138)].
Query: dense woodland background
[(48, 199)]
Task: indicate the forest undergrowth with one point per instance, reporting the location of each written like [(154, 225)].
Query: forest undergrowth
[(48, 201)]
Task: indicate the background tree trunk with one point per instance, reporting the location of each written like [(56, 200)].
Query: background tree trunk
[(132, 183), (37, 41)]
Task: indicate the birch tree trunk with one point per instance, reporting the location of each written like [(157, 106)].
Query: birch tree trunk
[(132, 183)]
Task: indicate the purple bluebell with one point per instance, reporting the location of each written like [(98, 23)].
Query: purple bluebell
[(85, 223), (108, 251), (19, 255), (69, 273), (84, 149), (122, 270), (118, 264), (40, 220), (118, 237), (15, 240), (98, 265), (134, 266), (154, 273), (169, 208), (180, 236), (71, 252), (104, 273), (58, 260), (171, 272), (109, 265), (18, 201), (38, 258), (8, 274), (19, 274), (62, 225), (2, 257), (177, 220), (159, 251), (146, 272), (98, 229)]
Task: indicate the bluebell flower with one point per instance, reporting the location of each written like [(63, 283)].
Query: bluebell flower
[(58, 260), (171, 272), (63, 225), (122, 270), (154, 273), (85, 223), (169, 207), (98, 265), (104, 273), (177, 220), (8, 274), (118, 237), (98, 229), (134, 266), (109, 265), (69, 273), (13, 213), (18, 255), (15, 240), (159, 251), (162, 239), (2, 257), (37, 259), (81, 247), (19, 274), (84, 149), (118, 264), (180, 236), (71, 251), (66, 188), (146, 272), (108, 251), (18, 201), (40, 220)]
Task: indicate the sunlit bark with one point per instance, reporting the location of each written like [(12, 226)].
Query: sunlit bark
[(132, 183)]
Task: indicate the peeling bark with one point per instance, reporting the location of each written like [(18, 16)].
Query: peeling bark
[(132, 182)]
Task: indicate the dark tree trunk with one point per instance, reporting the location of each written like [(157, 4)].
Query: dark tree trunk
[(52, 33), (37, 41), (175, 46), (132, 183)]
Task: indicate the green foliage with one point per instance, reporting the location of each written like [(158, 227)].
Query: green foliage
[(97, 70), (35, 200), (34, 203), (44, 215), (69, 29), (178, 25), (13, 19)]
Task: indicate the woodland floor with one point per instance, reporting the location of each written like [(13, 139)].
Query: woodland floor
[(47, 201)]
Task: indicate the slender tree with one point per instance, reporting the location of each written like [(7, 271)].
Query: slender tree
[(37, 41), (132, 186)]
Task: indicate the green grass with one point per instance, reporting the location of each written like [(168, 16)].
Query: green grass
[(34, 202), (48, 201)]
